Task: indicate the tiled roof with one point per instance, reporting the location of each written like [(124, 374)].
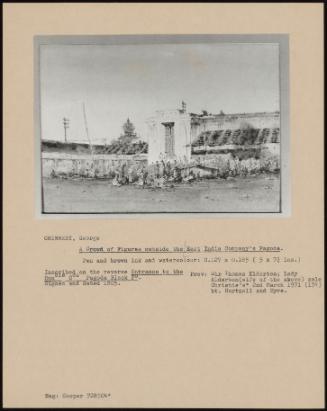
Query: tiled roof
[(139, 147), (241, 137)]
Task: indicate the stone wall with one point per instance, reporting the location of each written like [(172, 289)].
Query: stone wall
[(86, 165)]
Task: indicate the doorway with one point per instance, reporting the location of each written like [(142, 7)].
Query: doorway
[(169, 140)]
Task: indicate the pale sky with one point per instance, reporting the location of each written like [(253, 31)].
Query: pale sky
[(120, 81)]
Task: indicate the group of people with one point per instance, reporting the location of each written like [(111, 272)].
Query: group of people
[(167, 172), (159, 174)]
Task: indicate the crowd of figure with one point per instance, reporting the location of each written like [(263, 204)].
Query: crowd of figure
[(157, 174), (162, 173), (166, 173)]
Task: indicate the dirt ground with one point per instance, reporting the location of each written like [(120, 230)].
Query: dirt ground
[(253, 194)]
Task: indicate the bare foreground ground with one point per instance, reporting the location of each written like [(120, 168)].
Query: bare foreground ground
[(252, 194)]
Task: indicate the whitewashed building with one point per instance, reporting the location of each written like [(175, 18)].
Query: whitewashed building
[(176, 134)]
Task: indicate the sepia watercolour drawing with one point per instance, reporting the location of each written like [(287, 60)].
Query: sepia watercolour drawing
[(175, 124)]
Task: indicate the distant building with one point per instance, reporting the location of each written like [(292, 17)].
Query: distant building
[(176, 134), (129, 134)]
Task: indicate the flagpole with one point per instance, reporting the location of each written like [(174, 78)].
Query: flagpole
[(87, 130)]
